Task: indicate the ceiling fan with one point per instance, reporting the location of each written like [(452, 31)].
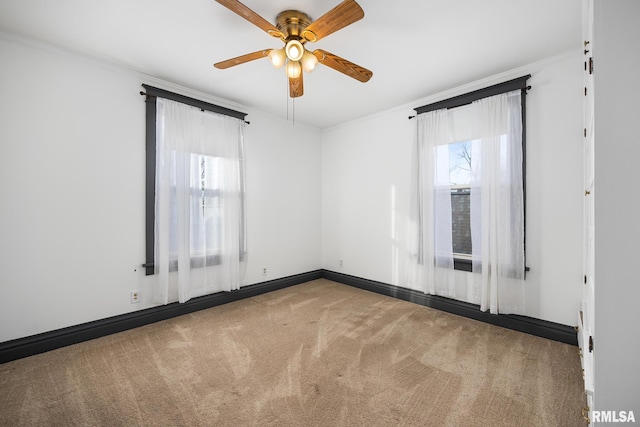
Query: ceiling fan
[(296, 29)]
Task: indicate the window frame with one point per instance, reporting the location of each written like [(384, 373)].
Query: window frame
[(152, 93), (519, 83)]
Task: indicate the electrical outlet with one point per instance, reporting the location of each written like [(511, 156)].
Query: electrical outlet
[(341, 263), (264, 271), (135, 297)]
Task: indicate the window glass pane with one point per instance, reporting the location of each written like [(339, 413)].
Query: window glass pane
[(460, 177), (209, 205), (460, 163), (213, 171), (204, 208), (197, 225)]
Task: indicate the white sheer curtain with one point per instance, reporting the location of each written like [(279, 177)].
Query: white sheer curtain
[(497, 203), (199, 211), (431, 268)]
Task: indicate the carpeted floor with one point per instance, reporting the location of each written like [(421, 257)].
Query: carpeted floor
[(315, 354)]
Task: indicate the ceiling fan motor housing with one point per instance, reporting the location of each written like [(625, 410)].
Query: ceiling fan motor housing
[(293, 23)]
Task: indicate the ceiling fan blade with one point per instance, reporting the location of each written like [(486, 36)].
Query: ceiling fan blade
[(296, 87), (248, 14), (242, 59), (340, 64), (344, 14)]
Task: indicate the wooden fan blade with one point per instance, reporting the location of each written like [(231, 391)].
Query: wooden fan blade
[(242, 59), (248, 14), (295, 86), (345, 67), (344, 14)]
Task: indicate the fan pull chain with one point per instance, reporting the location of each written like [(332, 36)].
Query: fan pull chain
[(286, 92), (293, 103)]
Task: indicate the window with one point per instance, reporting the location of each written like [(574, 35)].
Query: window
[(469, 159), (195, 228), (205, 186)]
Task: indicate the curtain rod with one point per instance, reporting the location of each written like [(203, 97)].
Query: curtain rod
[(468, 98), (156, 92)]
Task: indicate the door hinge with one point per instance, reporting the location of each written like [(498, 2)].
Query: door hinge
[(591, 65), (585, 413), (585, 132), (585, 279), (590, 344)]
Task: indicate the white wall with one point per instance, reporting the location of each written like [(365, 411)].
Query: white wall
[(366, 186), (283, 198), (617, 205), (72, 172)]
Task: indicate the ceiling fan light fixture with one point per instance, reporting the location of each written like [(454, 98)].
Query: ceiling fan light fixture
[(294, 50), (308, 61), (295, 28), (293, 69), (277, 57)]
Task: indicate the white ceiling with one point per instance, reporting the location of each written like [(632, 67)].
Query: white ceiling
[(415, 48)]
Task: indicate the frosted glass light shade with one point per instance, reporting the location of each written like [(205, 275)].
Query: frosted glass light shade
[(277, 57), (293, 69), (294, 50), (309, 61)]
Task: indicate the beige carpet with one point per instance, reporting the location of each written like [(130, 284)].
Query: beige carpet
[(316, 354)]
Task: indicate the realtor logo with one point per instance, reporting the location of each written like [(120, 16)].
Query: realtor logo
[(613, 417)]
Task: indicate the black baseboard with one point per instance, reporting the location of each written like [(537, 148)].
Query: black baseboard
[(35, 344), (529, 325)]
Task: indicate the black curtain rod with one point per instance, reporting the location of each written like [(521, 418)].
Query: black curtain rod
[(468, 98), (156, 92)]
